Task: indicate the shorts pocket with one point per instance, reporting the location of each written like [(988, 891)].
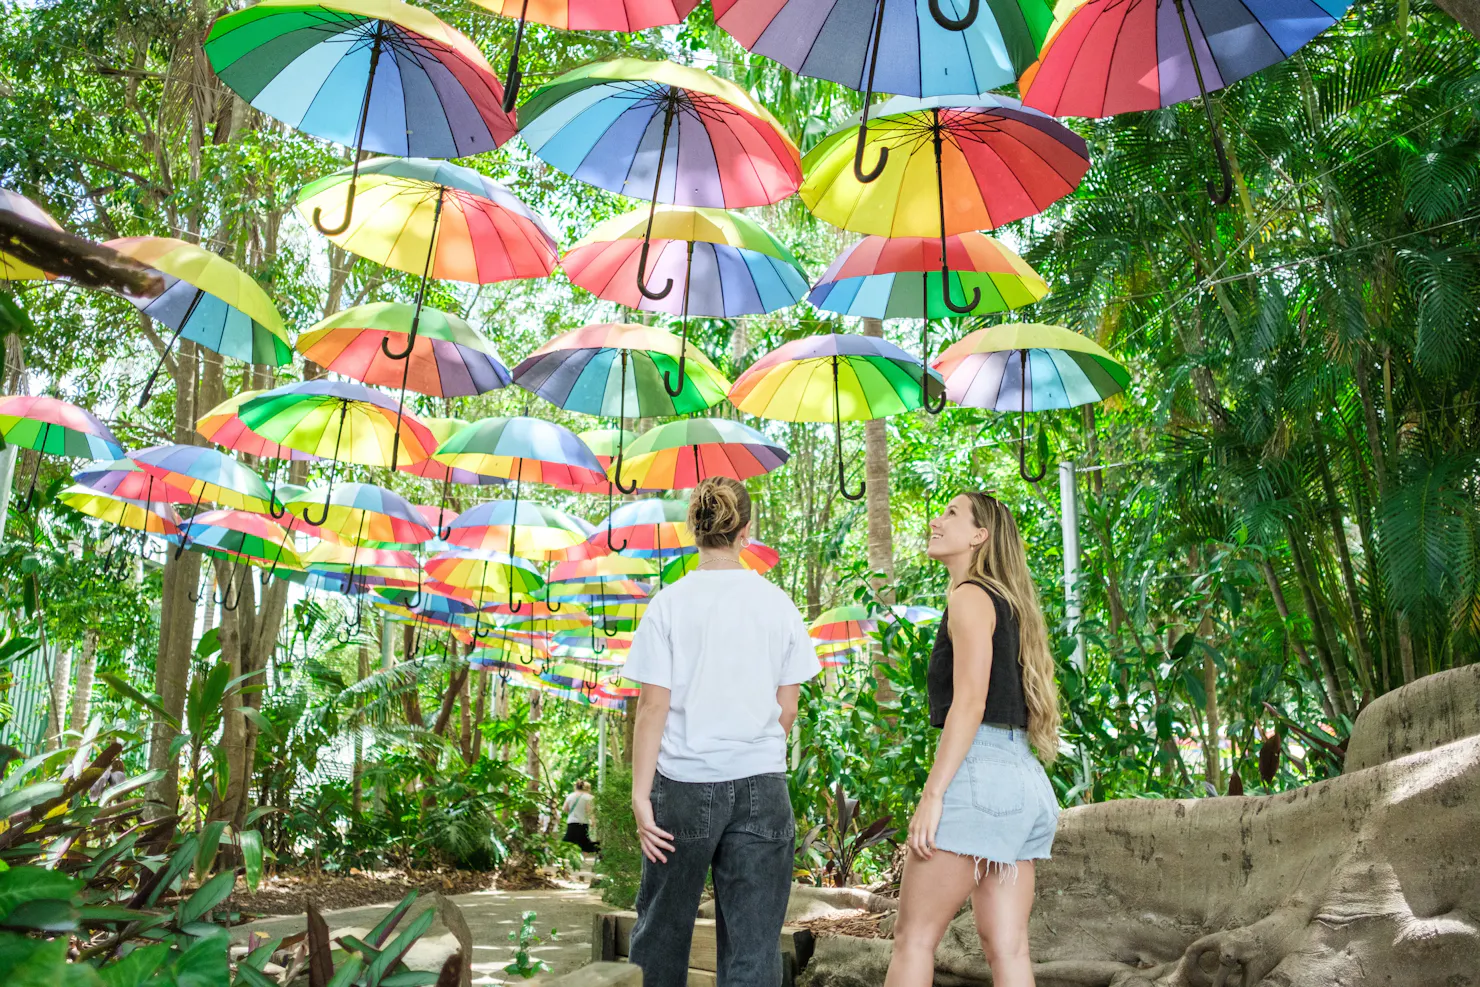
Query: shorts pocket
[(998, 785), (682, 809)]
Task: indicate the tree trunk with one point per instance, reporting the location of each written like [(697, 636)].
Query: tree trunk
[(465, 722), (532, 760), (357, 786), (61, 679), (479, 712), (87, 665), (410, 701), (1348, 575), (876, 472), (1466, 12)]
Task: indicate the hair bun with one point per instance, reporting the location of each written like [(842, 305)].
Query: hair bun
[(718, 509)]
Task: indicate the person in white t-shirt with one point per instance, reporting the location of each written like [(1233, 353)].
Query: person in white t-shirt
[(721, 655), (577, 810)]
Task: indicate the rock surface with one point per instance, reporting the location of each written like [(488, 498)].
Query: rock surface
[(1372, 877)]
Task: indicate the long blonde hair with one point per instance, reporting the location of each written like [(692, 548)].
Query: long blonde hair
[(1001, 563)]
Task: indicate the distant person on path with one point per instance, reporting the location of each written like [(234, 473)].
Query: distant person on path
[(577, 811), (721, 654), (988, 809)]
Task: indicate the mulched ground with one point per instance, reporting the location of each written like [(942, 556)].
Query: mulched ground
[(289, 894), (864, 925)]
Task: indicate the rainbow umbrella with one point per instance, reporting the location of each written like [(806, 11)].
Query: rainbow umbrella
[(655, 525), (148, 517), (717, 146), (207, 300), (363, 512), (889, 278), (56, 428), (1027, 367), (724, 264), (940, 55), (535, 529), (912, 614), (1122, 56), (680, 454), (378, 75), (367, 425), (571, 675), (843, 624), (581, 15), (438, 220), (835, 377), (606, 568), (240, 538), (1004, 162), (520, 449), (604, 442), (356, 569), (586, 371), (13, 268), (206, 475), (124, 478), (755, 555), (223, 426), (443, 429), (469, 570), (449, 358)]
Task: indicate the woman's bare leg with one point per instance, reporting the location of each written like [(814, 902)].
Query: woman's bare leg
[(930, 894), (1001, 906)]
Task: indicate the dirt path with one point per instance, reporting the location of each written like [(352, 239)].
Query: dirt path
[(491, 916)]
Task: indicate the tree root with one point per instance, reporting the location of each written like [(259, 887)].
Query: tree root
[(1244, 956)]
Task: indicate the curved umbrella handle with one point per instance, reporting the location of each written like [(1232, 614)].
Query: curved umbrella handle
[(642, 260), (196, 594), (945, 291), (1023, 424), (272, 501), (354, 175), (860, 175), (421, 292), (683, 346), (233, 604), (955, 23), (609, 546), (509, 600), (1220, 198), (443, 533), (838, 435), (616, 480), (25, 505), (514, 76), (333, 469), (647, 236), (930, 409), (164, 355), (1202, 90)]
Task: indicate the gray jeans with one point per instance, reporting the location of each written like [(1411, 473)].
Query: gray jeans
[(745, 831)]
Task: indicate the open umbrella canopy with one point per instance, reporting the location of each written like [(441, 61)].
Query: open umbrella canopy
[(604, 568), (426, 601), (124, 478), (594, 15), (356, 560), (617, 370), (223, 426), (363, 512), (721, 264), (443, 429), (379, 75), (843, 624), (449, 358), (996, 161), (207, 475), (680, 454), (829, 377), (55, 428), (537, 529), (911, 52), (520, 448), (153, 516), (337, 420), (899, 278), (484, 571), (12, 268), (756, 557), (209, 301), (599, 591), (657, 524), (664, 132), (242, 535), (436, 219), (1029, 367)]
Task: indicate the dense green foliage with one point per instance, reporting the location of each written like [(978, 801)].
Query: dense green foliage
[(1284, 525)]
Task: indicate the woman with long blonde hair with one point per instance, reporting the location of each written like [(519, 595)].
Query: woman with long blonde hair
[(988, 809)]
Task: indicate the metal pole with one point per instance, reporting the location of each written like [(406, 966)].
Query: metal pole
[(601, 751), (1069, 520), (387, 645), (7, 476)]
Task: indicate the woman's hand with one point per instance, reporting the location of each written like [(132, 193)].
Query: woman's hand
[(654, 840), (923, 825)]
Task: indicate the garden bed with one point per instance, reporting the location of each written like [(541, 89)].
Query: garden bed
[(290, 894)]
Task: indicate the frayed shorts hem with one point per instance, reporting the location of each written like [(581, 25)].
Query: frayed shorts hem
[(986, 865)]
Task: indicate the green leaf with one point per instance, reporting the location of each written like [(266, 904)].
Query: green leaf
[(387, 960), (409, 978), (248, 977), (347, 972), (121, 686), (135, 969), (28, 797), (208, 896), (383, 928), (262, 723), (1184, 644), (22, 885), (209, 643), (128, 785), (250, 842), (210, 843), (44, 915), (177, 868), (204, 964)]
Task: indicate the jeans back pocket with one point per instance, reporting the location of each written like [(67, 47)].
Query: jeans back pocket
[(683, 808), (998, 785)]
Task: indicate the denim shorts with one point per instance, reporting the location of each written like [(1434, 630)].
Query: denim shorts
[(1000, 807)]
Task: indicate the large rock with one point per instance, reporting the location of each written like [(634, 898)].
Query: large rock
[(1372, 878), (1436, 709)]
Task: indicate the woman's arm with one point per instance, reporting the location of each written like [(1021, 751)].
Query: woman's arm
[(647, 734), (787, 697), (972, 618)]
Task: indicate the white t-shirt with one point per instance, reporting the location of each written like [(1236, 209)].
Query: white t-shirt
[(578, 807), (722, 641)]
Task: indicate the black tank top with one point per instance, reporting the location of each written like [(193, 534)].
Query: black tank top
[(1005, 703)]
